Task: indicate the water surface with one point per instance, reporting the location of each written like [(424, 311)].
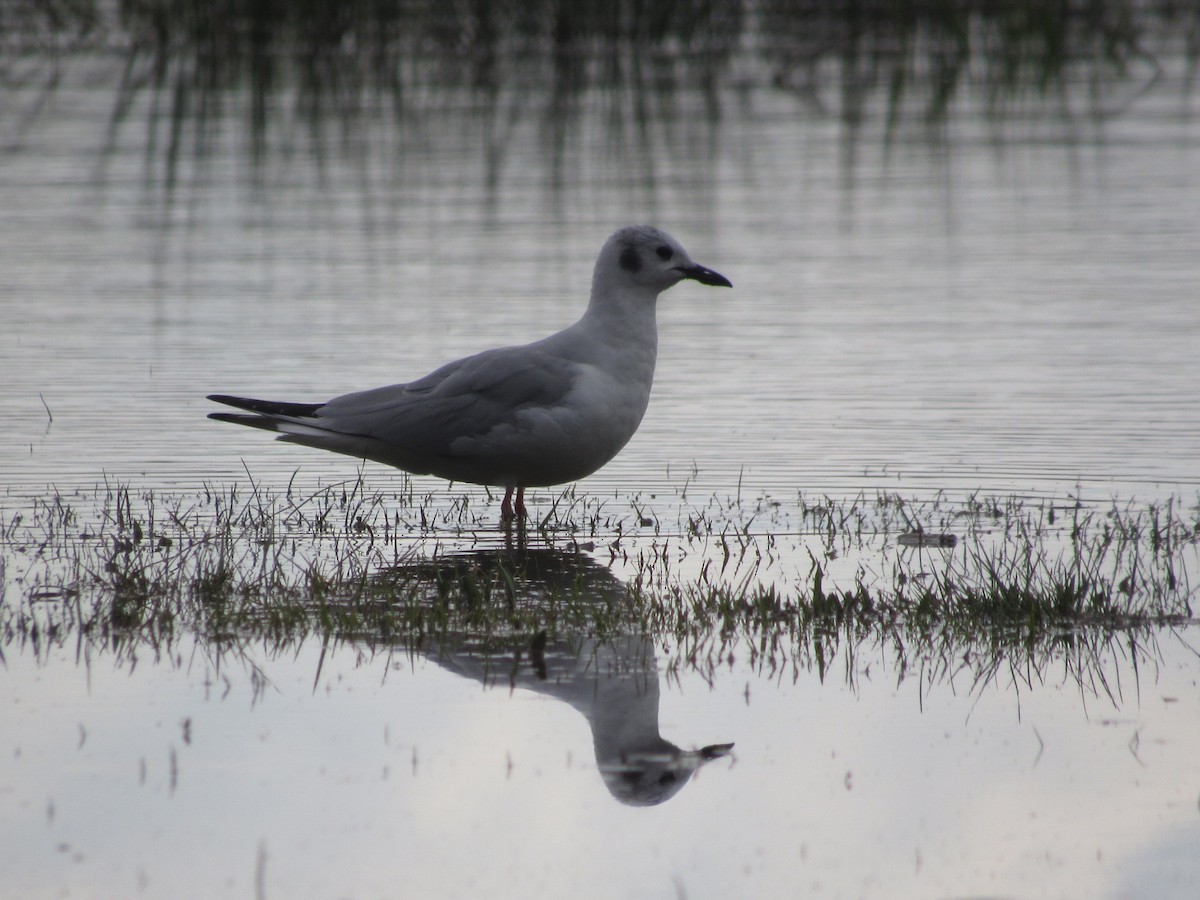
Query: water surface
[(1006, 306), (997, 301), (356, 772)]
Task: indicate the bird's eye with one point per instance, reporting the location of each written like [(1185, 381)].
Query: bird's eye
[(665, 252)]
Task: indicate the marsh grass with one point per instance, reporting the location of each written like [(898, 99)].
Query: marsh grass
[(791, 585)]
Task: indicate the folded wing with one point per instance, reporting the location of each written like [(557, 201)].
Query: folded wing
[(416, 425)]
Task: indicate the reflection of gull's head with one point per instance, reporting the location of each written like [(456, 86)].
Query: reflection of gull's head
[(647, 779), (613, 683)]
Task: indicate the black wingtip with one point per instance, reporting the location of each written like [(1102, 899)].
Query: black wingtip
[(265, 407)]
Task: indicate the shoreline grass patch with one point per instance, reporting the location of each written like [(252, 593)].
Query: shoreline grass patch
[(790, 584)]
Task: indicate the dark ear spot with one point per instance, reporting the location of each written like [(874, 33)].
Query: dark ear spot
[(630, 261)]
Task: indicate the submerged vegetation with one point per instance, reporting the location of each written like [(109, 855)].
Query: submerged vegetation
[(986, 586)]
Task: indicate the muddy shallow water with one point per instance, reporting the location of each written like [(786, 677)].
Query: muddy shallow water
[(348, 772)]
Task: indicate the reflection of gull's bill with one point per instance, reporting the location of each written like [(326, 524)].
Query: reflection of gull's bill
[(541, 414)]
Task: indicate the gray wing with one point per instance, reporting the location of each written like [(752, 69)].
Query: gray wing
[(467, 398)]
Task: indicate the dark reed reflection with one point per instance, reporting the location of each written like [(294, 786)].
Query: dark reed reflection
[(924, 54), (413, 63), (612, 680)]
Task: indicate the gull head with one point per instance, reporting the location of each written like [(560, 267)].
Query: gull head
[(647, 257)]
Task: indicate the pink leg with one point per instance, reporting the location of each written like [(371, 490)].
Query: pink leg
[(508, 511)]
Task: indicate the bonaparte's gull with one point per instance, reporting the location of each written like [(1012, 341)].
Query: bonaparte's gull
[(542, 414)]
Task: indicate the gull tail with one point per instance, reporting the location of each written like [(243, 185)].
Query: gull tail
[(299, 423)]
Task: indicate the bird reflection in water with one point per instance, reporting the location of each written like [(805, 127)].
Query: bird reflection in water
[(613, 682)]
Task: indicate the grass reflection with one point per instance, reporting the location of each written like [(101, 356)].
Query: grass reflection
[(345, 62)]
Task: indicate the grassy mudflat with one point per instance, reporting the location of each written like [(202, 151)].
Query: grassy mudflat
[(786, 582)]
